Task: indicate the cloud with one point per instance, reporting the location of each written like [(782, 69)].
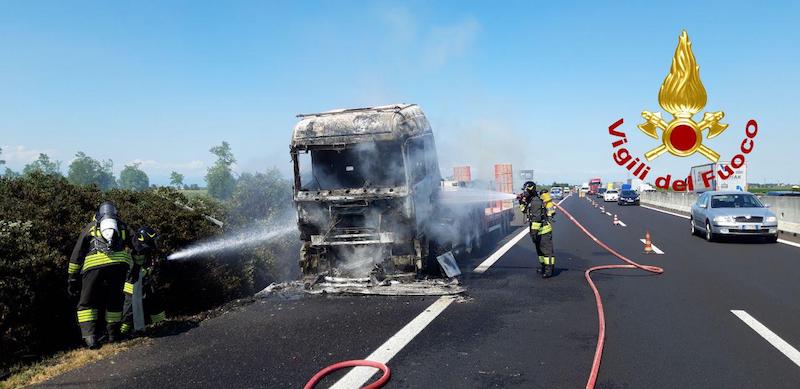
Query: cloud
[(444, 43), (149, 165), (19, 156)]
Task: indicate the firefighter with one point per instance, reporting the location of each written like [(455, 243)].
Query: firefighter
[(539, 210), (144, 264), (97, 270)]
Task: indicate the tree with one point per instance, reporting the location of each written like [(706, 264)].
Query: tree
[(176, 180), (260, 197), (44, 165), (2, 162), (10, 174), (219, 179), (133, 178), (85, 170)]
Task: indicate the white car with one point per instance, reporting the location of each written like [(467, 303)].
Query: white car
[(611, 195)]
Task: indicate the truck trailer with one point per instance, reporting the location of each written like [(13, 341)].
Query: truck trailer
[(368, 192), (709, 177)]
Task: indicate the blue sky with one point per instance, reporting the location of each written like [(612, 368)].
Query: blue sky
[(531, 83)]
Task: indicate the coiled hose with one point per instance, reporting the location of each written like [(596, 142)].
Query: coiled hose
[(352, 363), (601, 325)]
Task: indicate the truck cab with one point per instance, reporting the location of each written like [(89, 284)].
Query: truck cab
[(365, 181)]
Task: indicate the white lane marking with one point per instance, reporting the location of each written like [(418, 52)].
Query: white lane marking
[(655, 249), (488, 262), (608, 213), (784, 241), (663, 211), (621, 223), (770, 336), (358, 376)]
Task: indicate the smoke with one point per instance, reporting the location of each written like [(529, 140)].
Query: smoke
[(472, 195), (246, 238)]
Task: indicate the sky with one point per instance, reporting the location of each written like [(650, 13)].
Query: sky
[(535, 84)]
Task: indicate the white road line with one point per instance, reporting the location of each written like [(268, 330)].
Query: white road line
[(621, 223), (663, 211), (358, 376), (655, 249), (608, 213), (770, 336), (784, 241), (488, 262)]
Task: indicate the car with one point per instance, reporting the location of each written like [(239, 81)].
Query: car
[(611, 195), (732, 213), (627, 197), (556, 192), (600, 192)]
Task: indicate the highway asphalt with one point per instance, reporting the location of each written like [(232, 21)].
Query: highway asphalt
[(514, 329)]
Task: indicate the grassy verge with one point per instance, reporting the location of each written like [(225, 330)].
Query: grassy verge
[(63, 362), (193, 193)]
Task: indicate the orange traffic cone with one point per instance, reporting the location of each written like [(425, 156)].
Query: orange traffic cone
[(616, 221), (648, 245)]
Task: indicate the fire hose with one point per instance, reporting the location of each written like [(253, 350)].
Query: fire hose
[(601, 327), (352, 363)]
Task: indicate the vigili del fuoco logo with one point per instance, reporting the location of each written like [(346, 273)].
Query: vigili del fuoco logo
[(682, 95)]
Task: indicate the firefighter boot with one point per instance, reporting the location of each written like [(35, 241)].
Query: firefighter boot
[(548, 271), (91, 342)]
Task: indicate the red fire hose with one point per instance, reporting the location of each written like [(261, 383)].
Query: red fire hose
[(601, 330), (352, 363)]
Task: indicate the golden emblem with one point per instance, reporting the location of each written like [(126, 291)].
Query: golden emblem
[(682, 94)]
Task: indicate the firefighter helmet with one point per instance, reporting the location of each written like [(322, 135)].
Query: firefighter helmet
[(145, 239), (529, 187)]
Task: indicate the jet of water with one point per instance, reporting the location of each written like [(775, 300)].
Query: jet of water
[(243, 239), (472, 195)]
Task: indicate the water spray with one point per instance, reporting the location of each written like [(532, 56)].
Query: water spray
[(244, 239)]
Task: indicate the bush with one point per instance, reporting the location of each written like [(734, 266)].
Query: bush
[(41, 217)]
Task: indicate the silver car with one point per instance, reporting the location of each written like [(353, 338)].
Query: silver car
[(728, 213)]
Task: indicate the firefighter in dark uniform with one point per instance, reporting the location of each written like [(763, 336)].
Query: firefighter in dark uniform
[(145, 263), (539, 211), (97, 270)]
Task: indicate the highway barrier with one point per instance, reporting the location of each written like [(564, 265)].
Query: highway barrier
[(786, 208)]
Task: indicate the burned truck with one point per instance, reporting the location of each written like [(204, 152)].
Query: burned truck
[(367, 190)]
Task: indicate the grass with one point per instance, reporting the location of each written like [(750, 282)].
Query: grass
[(194, 193), (25, 375)]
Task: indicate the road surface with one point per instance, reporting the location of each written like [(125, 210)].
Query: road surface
[(516, 330)]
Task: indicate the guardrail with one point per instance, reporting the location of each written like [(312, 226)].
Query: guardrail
[(786, 208)]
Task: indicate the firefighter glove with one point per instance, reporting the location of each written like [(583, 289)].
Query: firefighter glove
[(74, 287)]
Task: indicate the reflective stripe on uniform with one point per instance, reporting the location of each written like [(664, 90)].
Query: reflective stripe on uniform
[(113, 317), (546, 229), (549, 260), (125, 328), (85, 315), (158, 317), (128, 288), (74, 268), (541, 259), (99, 259), (535, 225)]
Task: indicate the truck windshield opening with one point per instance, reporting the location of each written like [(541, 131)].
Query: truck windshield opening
[(365, 165)]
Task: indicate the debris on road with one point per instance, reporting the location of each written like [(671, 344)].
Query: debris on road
[(392, 285)]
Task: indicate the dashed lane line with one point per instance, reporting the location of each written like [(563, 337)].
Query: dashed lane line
[(771, 337)]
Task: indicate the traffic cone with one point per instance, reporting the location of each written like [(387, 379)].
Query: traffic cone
[(616, 221), (648, 245)]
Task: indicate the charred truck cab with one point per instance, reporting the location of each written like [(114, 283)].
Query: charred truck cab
[(365, 181)]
